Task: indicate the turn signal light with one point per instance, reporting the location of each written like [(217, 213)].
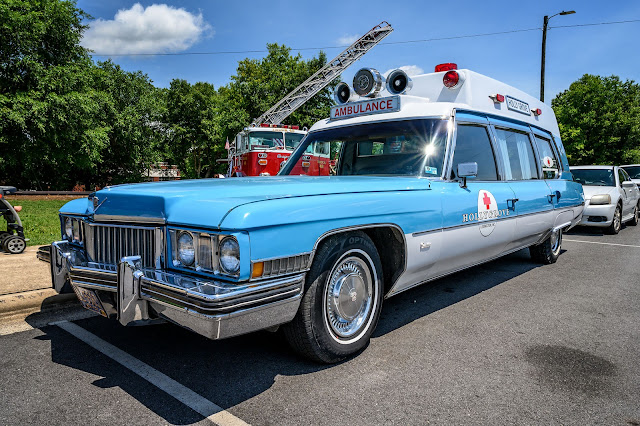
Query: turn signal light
[(258, 269), (262, 162)]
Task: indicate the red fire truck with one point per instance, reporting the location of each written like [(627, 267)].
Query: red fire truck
[(259, 150)]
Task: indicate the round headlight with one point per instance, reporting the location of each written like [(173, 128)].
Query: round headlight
[(68, 228), (186, 250), (230, 255)]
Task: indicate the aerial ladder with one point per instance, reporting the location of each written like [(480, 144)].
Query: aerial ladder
[(309, 88)]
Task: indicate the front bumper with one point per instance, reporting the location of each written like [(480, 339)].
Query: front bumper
[(598, 215), (135, 295)]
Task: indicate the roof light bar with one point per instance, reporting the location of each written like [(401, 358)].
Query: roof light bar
[(450, 66)]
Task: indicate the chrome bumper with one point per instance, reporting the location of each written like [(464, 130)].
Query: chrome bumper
[(135, 295)]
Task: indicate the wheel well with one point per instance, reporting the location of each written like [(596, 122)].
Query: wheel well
[(389, 242)]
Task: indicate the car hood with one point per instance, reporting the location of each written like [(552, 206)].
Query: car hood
[(590, 191), (210, 200)]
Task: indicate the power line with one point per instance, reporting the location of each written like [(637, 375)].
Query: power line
[(426, 40)]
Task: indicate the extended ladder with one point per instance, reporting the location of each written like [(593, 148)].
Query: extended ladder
[(318, 81)]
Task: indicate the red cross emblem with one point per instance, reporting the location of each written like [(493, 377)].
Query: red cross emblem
[(487, 200)]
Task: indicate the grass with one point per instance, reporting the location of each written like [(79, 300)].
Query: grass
[(39, 217)]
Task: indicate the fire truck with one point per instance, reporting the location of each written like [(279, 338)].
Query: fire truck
[(262, 148)]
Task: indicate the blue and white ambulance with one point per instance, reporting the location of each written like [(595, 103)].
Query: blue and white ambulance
[(429, 175)]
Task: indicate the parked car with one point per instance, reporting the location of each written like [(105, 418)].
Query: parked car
[(431, 176), (633, 170), (611, 198)]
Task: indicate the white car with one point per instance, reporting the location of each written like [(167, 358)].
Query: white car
[(611, 197)]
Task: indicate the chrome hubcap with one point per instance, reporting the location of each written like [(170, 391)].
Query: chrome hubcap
[(349, 296)]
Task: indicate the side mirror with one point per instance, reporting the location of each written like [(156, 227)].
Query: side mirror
[(628, 184), (466, 170)]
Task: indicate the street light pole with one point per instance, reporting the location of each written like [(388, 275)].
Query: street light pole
[(545, 24)]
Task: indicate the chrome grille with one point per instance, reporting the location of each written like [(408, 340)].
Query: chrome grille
[(108, 243)]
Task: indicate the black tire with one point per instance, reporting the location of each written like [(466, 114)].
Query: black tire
[(548, 251), (3, 236), (616, 223), (342, 301), (636, 216), (14, 245)]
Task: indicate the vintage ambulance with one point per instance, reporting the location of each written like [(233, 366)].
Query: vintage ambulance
[(428, 176)]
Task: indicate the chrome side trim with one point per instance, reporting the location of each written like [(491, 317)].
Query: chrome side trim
[(129, 219)]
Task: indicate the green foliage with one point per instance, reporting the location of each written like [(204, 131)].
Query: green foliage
[(201, 119), (599, 120)]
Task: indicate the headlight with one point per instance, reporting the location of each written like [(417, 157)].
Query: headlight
[(186, 251), (68, 228), (229, 255), (600, 199)]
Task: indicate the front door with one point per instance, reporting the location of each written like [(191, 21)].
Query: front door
[(477, 222)]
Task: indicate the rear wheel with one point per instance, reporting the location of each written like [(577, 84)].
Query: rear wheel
[(14, 245), (636, 216), (548, 251), (616, 223), (342, 301)]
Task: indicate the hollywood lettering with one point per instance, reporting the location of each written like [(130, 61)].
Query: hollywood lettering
[(363, 108), (491, 214)]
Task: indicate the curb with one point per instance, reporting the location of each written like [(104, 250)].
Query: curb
[(34, 300)]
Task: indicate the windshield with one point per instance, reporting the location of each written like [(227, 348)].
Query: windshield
[(401, 148), (634, 171), (292, 139), (266, 139), (594, 177)]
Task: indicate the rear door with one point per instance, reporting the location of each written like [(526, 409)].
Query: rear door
[(534, 205)]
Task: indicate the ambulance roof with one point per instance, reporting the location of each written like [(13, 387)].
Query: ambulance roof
[(430, 98)]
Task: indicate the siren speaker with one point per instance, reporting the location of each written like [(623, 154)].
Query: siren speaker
[(367, 82), (343, 93), (398, 82)]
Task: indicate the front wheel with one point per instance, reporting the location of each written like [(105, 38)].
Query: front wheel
[(548, 251), (342, 301), (616, 223), (14, 244)]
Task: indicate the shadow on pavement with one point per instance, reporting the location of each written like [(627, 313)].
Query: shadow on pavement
[(229, 372)]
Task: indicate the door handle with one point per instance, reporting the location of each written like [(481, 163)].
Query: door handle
[(551, 197), (513, 203)]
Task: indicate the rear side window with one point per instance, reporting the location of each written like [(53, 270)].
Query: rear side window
[(621, 177), (473, 145), (550, 165), (517, 155)]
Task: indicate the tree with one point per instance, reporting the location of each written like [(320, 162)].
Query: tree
[(599, 120), (193, 133)]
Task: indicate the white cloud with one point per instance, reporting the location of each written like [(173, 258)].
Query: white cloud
[(347, 40), (411, 70), (158, 28)]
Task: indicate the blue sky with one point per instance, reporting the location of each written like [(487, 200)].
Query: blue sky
[(248, 25)]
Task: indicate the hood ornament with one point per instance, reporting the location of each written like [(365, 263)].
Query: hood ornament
[(97, 203)]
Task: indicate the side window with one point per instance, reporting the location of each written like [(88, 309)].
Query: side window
[(621, 177), (517, 155), (550, 165), (473, 145)]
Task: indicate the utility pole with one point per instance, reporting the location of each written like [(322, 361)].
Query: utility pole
[(545, 25)]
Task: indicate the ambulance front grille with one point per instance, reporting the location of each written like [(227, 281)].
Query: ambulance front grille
[(111, 243)]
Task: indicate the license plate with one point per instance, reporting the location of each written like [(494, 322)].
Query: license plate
[(89, 300)]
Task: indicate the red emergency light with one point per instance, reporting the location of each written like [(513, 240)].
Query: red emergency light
[(536, 111), (450, 66), (451, 79), (497, 98), (295, 127), (264, 125)]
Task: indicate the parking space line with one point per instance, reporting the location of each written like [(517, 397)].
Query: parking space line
[(183, 394), (597, 242)]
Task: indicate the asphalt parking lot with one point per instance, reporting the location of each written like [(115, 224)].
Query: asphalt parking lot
[(509, 342)]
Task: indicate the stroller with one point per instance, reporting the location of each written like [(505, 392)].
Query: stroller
[(12, 240)]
